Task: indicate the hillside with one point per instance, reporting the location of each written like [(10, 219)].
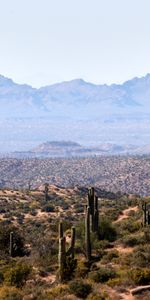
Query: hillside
[(76, 110), (30, 266), (128, 174)]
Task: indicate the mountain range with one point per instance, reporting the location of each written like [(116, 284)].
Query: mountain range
[(76, 110)]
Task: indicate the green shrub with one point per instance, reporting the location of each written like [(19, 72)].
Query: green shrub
[(48, 208), (56, 292), (82, 269), (141, 256), (128, 225), (107, 231), (80, 289), (98, 296), (17, 275), (131, 241), (102, 275), (10, 293), (110, 256), (140, 276), (115, 282), (78, 208)]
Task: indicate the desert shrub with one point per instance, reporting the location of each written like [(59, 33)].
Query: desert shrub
[(110, 256), (20, 219), (48, 208), (55, 292), (66, 206), (33, 212), (2, 210), (105, 244), (140, 276), (10, 293), (98, 296), (45, 252), (78, 208), (17, 275), (102, 275), (82, 269), (115, 282), (107, 231), (141, 256), (129, 226), (131, 241), (80, 289), (113, 213)]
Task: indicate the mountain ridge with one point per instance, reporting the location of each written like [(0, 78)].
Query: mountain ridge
[(79, 80), (88, 112)]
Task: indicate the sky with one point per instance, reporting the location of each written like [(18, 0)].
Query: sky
[(47, 41)]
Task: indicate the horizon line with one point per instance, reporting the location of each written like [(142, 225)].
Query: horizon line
[(75, 79)]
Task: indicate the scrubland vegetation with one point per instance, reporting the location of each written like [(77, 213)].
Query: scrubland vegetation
[(119, 261), (128, 174)]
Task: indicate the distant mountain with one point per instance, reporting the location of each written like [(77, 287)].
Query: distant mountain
[(48, 146), (69, 149), (89, 114)]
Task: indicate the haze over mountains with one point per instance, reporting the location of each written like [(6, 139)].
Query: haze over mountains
[(83, 112)]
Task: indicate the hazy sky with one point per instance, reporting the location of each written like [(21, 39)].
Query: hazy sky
[(46, 41)]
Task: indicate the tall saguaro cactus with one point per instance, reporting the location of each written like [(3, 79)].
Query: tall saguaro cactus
[(144, 208), (148, 218), (93, 205), (72, 247), (87, 234), (46, 191), (91, 195), (11, 252), (96, 215), (91, 220), (63, 254)]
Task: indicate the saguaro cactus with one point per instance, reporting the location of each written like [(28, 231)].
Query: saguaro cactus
[(144, 208), (11, 252), (72, 247), (61, 230), (91, 220), (93, 204), (96, 215), (63, 254), (29, 186), (148, 217), (87, 234), (91, 195), (46, 191)]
